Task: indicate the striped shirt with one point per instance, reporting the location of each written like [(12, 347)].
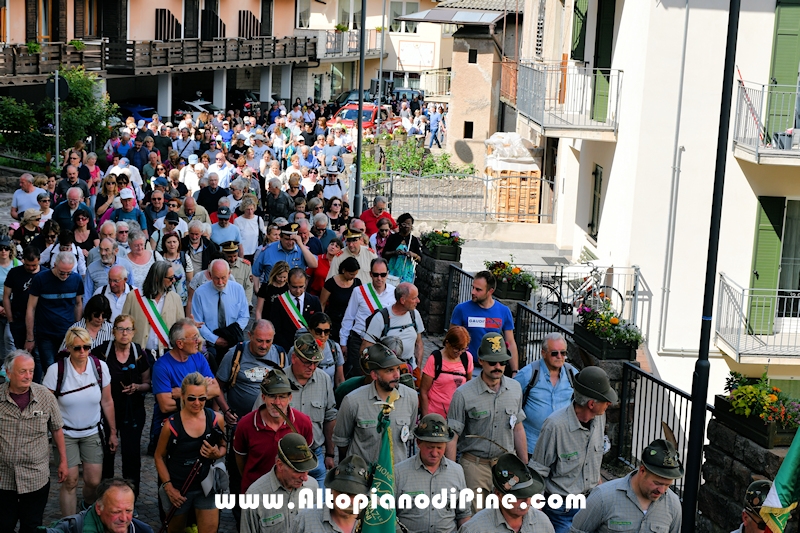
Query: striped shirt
[(106, 333), (614, 507), (24, 451)]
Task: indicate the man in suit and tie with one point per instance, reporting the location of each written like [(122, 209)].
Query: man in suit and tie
[(293, 308)]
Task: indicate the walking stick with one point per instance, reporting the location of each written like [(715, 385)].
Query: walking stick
[(213, 440)]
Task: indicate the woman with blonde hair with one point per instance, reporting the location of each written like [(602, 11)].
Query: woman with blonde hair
[(105, 196), (192, 430), (82, 393), (277, 284)]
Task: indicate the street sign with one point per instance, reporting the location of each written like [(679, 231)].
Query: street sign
[(63, 88)]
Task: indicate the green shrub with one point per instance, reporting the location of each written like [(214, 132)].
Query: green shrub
[(33, 47), (79, 45)]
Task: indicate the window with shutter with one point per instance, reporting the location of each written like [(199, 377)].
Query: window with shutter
[(31, 18), (785, 62), (578, 48), (766, 264), (80, 18), (266, 17), (603, 50), (539, 51)]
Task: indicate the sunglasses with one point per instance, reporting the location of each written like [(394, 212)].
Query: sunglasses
[(192, 399), (378, 274), (556, 353), (173, 205), (82, 348), (323, 331), (51, 237), (5, 249), (501, 363), (122, 231), (46, 200), (111, 183)]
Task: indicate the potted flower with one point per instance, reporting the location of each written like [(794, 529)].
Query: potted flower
[(385, 139), (604, 334), (341, 28), (379, 29), (400, 134), (758, 411), (442, 245), (513, 282)]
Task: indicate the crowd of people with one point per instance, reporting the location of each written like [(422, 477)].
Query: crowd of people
[(266, 324)]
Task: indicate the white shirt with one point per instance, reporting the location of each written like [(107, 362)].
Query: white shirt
[(400, 326), (79, 409), (189, 178), (116, 302), (358, 311), (224, 173)]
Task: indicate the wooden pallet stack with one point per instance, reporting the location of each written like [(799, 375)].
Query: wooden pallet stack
[(518, 195)]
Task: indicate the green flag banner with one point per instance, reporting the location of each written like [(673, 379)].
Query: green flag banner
[(379, 519), (785, 491)]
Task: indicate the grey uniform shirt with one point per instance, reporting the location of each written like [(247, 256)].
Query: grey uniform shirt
[(613, 507), (279, 519), (357, 423), (478, 410), (252, 370), (412, 478), (315, 399), (315, 521), (492, 520), (567, 454)]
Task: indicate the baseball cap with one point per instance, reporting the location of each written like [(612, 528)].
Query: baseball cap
[(126, 194), (224, 212)]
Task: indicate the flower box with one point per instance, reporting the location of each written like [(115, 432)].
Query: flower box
[(765, 434), (401, 137), (506, 292), (601, 348), (384, 142), (444, 253)]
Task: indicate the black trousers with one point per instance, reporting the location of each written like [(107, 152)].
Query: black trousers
[(130, 425), (352, 366), (28, 508)]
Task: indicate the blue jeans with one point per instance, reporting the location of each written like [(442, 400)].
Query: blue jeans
[(47, 347), (319, 472), (561, 518), (435, 137)]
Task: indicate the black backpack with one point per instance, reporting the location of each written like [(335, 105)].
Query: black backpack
[(437, 365), (571, 371)]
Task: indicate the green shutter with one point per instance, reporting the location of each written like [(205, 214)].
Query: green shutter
[(603, 49), (785, 61), (766, 265), (579, 30)]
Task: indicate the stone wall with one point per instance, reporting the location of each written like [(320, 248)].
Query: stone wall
[(431, 280), (731, 463)]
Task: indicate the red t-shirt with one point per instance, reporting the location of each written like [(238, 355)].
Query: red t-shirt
[(260, 443), (319, 274), (371, 221)]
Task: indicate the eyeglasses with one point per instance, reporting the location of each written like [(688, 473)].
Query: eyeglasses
[(51, 237), (124, 330), (171, 278), (161, 168), (173, 205), (495, 363), (82, 348), (308, 363), (192, 399), (122, 231), (111, 183), (5, 249), (322, 331), (556, 353), (378, 274), (45, 200), (190, 339), (336, 205)]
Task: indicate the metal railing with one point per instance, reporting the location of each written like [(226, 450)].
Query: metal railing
[(758, 322), (767, 118), (530, 329), (567, 96), (435, 82), (345, 43), (131, 55), (564, 289), (508, 198), (508, 79), (459, 290), (646, 402)]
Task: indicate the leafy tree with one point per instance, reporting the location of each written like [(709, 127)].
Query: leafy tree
[(21, 118)]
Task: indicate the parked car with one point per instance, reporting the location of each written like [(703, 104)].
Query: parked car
[(409, 93), (345, 98), (137, 111), (247, 101), (348, 115), (195, 107)]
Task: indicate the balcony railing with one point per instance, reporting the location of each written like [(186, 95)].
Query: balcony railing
[(133, 56), (563, 97), (757, 322), (508, 80), (18, 66), (340, 45), (767, 123), (435, 83)]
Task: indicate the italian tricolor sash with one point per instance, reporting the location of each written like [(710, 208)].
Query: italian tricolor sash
[(292, 310), (371, 297), (153, 317)]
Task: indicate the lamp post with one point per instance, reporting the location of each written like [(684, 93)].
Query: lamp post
[(357, 194), (697, 426)]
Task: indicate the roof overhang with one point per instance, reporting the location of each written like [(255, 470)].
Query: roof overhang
[(446, 15)]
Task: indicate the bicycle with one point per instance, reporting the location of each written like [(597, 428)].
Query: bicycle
[(588, 290)]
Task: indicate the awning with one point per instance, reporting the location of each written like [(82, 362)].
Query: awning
[(444, 15)]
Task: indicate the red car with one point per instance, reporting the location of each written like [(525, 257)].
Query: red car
[(348, 114)]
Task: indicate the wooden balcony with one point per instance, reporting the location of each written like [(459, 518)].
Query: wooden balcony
[(160, 57), (20, 67)]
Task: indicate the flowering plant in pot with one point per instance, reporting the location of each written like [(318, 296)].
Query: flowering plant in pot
[(603, 333), (513, 281), (442, 244)]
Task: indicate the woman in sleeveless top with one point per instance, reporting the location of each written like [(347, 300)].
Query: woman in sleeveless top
[(184, 440)]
